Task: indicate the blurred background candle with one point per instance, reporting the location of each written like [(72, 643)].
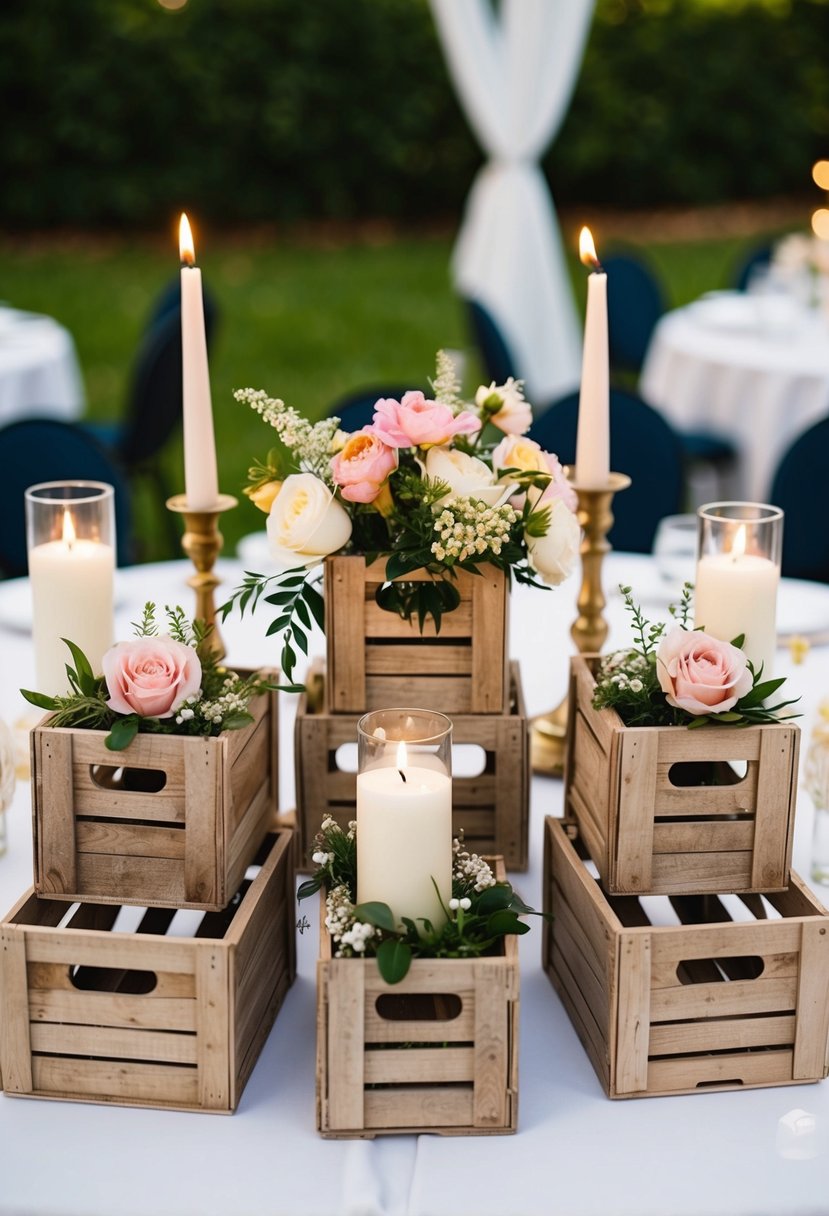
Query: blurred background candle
[(593, 436), (404, 812), (201, 483), (737, 576), (70, 529)]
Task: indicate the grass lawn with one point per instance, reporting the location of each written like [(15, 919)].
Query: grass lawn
[(305, 320)]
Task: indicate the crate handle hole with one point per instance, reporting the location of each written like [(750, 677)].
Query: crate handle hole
[(696, 773), (719, 1084), (112, 979), (714, 970), (128, 780), (418, 1006)]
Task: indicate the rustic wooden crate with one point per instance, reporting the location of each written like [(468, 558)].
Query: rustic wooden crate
[(709, 1003), (436, 1053), (647, 834), (139, 1018), (376, 659), (491, 808), (184, 845)]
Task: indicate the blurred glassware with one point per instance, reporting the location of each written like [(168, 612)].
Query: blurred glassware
[(816, 783), (675, 549)]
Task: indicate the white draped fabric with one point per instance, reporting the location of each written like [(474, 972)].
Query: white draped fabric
[(514, 70)]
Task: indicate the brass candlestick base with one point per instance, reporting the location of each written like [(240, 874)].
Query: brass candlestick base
[(202, 542), (589, 630)]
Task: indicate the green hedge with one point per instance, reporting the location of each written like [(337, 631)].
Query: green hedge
[(119, 112)]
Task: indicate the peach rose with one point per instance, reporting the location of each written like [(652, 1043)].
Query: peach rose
[(262, 496), (519, 452), (415, 422), (150, 676), (363, 465), (505, 406), (701, 674)]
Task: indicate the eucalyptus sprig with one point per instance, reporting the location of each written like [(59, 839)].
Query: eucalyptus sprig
[(297, 599)]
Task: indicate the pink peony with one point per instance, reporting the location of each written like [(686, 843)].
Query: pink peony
[(701, 674), (415, 422), (363, 465), (150, 676)]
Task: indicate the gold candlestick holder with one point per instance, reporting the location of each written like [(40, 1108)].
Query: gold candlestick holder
[(589, 630), (202, 542)]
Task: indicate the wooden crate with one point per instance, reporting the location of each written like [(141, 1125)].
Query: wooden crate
[(491, 808), (708, 1003), (660, 808), (376, 659), (111, 835), (436, 1053), (139, 1018)]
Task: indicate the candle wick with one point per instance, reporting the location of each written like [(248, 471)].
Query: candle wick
[(402, 775)]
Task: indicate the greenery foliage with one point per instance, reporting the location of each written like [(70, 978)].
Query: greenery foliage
[(252, 110)]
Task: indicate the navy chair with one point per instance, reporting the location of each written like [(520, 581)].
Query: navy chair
[(356, 409), (45, 449), (635, 302), (643, 445), (754, 259), (494, 352), (805, 535)]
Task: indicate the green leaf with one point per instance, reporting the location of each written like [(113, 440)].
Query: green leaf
[(40, 699), (316, 603), (505, 921), (280, 597), (399, 564), (493, 899), (730, 715), (86, 677), (302, 612), (739, 641), (697, 723), (378, 914), (122, 733), (310, 886), (300, 639), (394, 959), (237, 720)]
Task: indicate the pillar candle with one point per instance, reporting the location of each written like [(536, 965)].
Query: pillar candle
[(736, 593), (201, 483), (593, 436), (404, 840), (72, 597)]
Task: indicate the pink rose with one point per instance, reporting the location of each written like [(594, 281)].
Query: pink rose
[(506, 406), (701, 674), (150, 676), (363, 465), (415, 422)]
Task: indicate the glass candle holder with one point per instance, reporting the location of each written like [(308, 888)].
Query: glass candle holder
[(404, 813), (70, 535), (739, 545)]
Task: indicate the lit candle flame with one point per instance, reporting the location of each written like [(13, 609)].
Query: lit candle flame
[(68, 528), (186, 249), (738, 545), (587, 249)]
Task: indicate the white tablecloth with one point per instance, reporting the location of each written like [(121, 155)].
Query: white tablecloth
[(39, 371), (575, 1154), (715, 365)]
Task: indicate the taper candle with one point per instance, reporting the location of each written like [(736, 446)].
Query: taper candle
[(201, 481), (593, 436)]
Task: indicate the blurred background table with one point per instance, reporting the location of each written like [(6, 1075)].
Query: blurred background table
[(576, 1153), (752, 369), (39, 371)]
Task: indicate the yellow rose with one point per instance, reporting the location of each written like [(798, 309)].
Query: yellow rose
[(263, 496)]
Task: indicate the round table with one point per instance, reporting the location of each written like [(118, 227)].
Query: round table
[(39, 371), (576, 1153), (753, 370)]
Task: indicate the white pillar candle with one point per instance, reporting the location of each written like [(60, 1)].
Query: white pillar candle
[(201, 482), (593, 436), (736, 593), (404, 840), (72, 597)]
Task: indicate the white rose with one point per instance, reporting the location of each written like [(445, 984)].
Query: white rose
[(306, 522), (466, 476), (505, 406), (553, 556)]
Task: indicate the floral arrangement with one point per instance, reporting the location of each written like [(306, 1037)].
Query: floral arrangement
[(683, 677), (481, 911), (428, 484), (155, 683)]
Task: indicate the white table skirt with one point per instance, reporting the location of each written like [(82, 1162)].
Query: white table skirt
[(575, 1154), (39, 371), (758, 388)]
